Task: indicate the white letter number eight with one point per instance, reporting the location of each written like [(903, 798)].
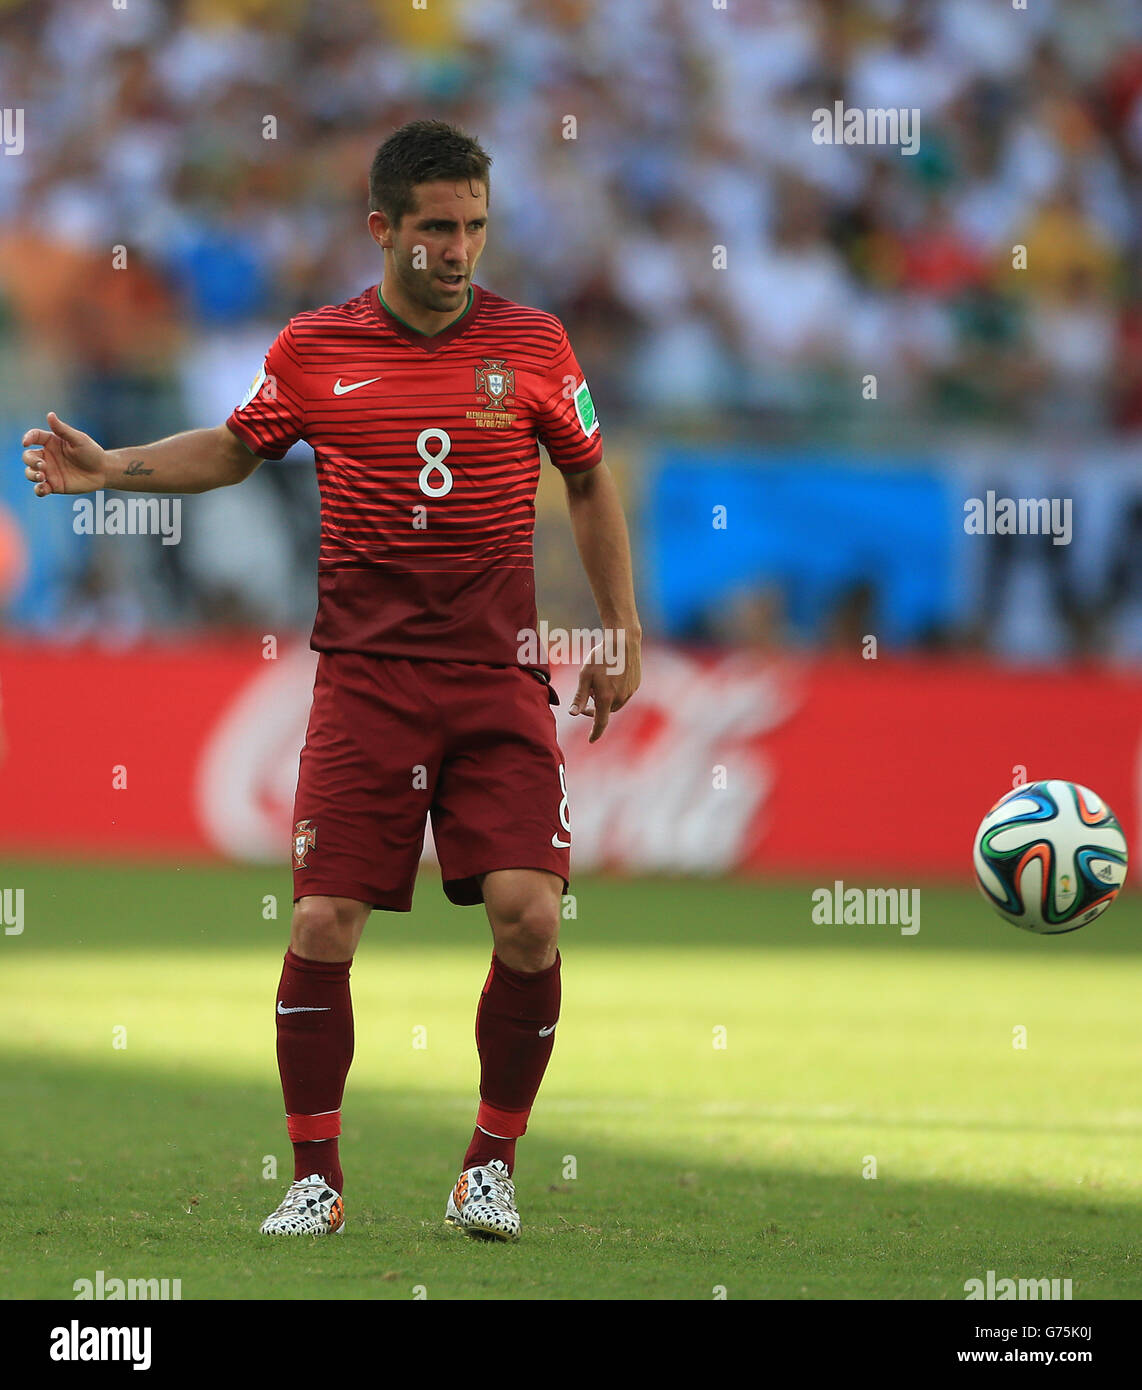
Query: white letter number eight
[(434, 463), (565, 804)]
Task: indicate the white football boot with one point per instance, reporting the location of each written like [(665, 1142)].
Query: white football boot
[(482, 1204), (309, 1208)]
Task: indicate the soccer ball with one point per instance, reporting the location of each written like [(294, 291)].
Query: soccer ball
[(1050, 857)]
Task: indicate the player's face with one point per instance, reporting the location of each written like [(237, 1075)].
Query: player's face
[(437, 245)]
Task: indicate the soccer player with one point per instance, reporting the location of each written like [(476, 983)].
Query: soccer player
[(423, 399)]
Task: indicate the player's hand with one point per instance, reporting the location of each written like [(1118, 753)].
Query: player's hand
[(63, 459), (606, 686)]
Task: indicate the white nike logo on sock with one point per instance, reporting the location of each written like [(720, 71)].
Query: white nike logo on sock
[(302, 1009)]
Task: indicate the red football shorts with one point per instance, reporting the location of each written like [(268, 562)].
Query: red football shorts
[(391, 742)]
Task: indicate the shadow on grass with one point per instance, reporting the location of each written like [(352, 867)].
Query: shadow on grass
[(154, 1174)]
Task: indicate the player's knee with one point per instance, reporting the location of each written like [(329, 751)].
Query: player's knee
[(326, 928), (526, 938)]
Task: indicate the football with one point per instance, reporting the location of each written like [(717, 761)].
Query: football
[(1050, 857)]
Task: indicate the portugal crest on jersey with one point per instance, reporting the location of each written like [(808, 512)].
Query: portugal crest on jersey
[(496, 379), (304, 839)]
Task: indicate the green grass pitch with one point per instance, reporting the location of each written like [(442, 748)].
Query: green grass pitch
[(659, 1163)]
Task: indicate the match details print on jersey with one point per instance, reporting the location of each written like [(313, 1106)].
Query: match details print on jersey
[(427, 456)]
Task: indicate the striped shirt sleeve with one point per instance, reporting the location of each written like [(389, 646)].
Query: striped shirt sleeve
[(271, 418), (568, 426)]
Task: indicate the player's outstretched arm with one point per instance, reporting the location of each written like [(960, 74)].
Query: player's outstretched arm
[(600, 531), (64, 459)]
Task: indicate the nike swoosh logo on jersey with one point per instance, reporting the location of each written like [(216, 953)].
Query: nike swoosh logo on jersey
[(302, 1009), (560, 844), (339, 390), (547, 1032)]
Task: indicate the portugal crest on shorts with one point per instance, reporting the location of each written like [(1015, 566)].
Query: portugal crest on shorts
[(304, 839), (496, 380)]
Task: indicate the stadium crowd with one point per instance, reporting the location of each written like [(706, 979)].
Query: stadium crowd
[(656, 183)]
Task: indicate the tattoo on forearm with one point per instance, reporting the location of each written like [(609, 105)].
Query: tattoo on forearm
[(135, 468)]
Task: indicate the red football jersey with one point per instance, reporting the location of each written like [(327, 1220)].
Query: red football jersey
[(427, 460)]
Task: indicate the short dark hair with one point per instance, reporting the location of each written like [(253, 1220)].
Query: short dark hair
[(422, 152)]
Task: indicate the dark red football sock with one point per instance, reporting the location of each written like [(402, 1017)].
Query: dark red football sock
[(315, 1047), (515, 1032)]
